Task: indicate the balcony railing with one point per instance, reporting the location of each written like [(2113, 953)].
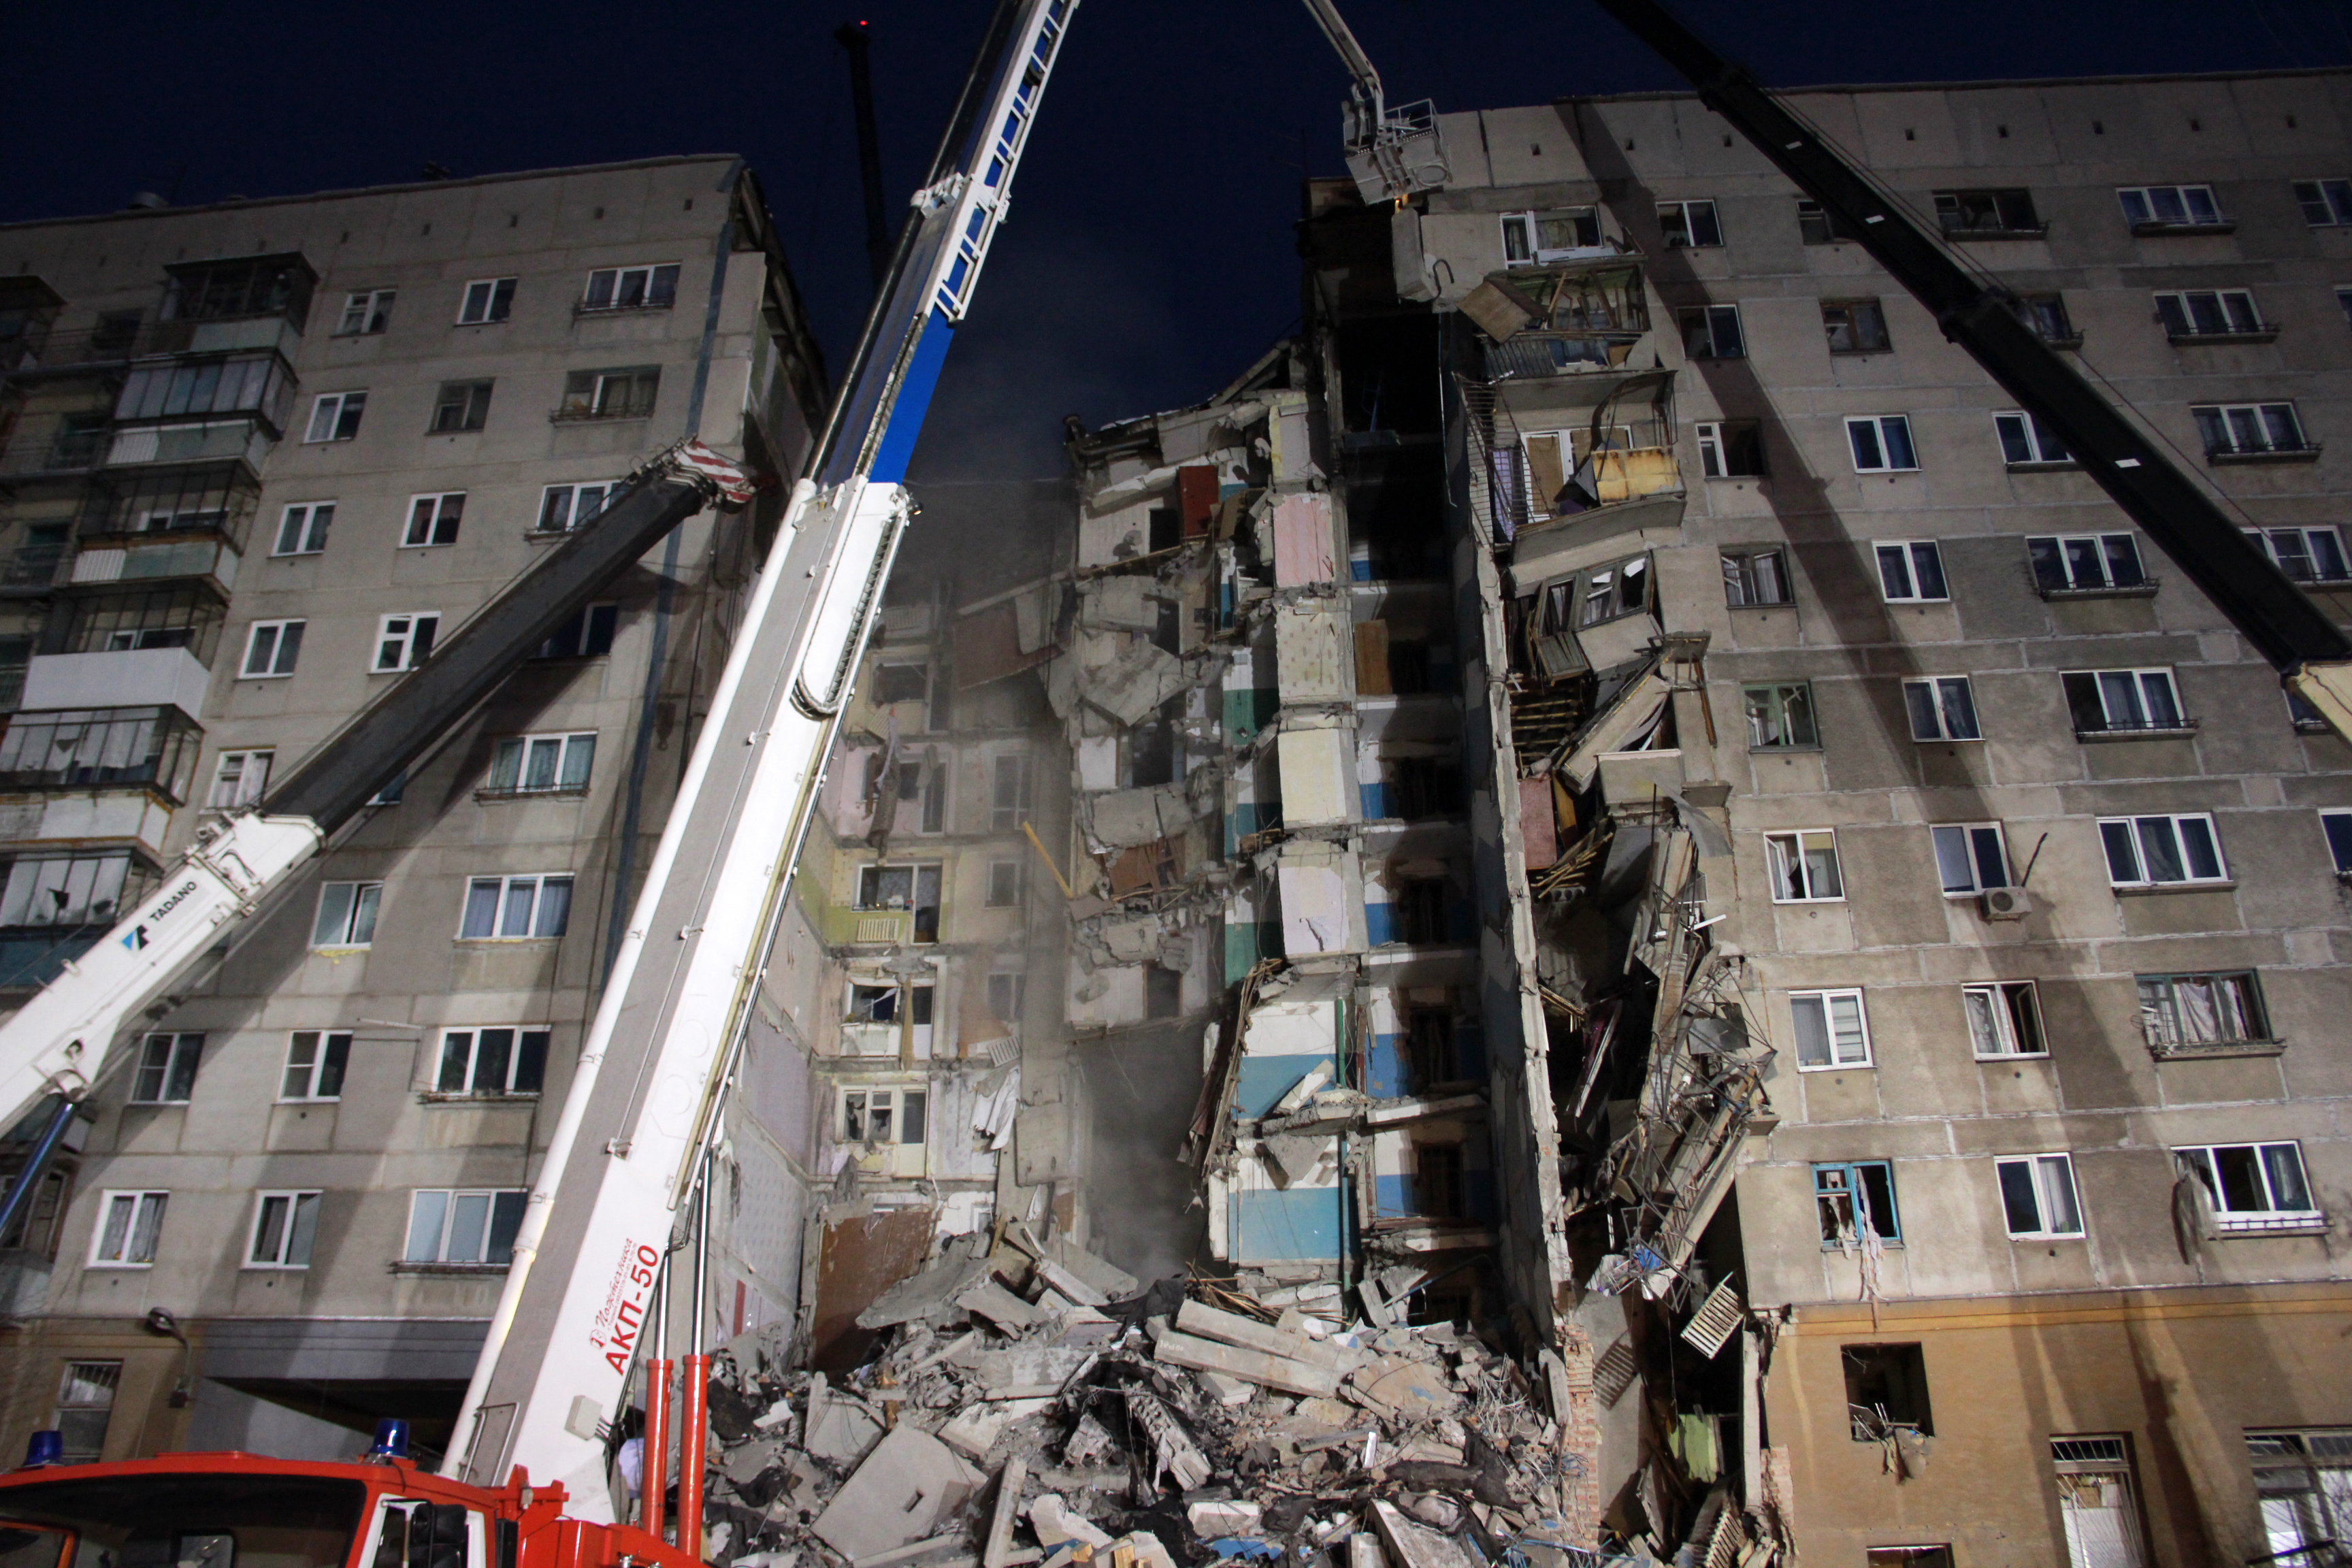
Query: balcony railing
[(57, 443)]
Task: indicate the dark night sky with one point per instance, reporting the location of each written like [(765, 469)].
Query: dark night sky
[(1148, 256)]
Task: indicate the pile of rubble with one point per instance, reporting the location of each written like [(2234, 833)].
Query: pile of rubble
[(1032, 1404)]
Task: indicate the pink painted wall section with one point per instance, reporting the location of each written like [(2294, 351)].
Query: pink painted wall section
[(1302, 540)]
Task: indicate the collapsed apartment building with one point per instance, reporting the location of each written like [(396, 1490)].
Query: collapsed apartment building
[(1686, 841)]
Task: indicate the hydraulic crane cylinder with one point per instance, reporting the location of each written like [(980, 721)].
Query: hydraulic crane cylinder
[(659, 1369)]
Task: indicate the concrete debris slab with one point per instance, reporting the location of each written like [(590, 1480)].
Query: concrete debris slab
[(1056, 1524), (1077, 1290), (1139, 680), (1089, 1440), (1132, 816), (1412, 1389), (1253, 1366), (905, 1487), (932, 1291), (985, 1298), (1232, 1329), (1227, 1390), (999, 1372), (1008, 1502), (1115, 1283), (1236, 1517), (1173, 1452), (844, 1432), (1413, 1545)]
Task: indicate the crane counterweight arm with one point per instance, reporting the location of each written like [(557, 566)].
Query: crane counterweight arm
[(2185, 522)]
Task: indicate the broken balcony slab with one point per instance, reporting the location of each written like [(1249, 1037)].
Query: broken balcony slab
[(905, 1487), (1251, 1366), (1132, 816), (1207, 1322)]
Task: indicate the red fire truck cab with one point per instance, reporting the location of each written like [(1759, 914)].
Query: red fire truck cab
[(243, 1510)]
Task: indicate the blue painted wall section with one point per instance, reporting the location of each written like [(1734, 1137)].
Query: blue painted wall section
[(1265, 1079), (1302, 1224)]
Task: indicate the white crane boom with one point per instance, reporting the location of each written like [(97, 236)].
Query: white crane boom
[(653, 1070)]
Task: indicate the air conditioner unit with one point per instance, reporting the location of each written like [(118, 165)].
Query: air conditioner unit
[(2007, 904)]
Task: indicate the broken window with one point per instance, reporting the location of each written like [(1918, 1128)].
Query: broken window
[(1987, 212), (1819, 226), (1438, 1189), (935, 799), (1848, 1194), (2082, 563), (1971, 857), (1886, 1386), (1832, 1028), (2037, 1196), (2253, 1187), (901, 682), (461, 406), (1003, 884), (1854, 326), (1431, 1054), (1425, 787), (2096, 1502), (2304, 554), (1421, 911), (1907, 1557), (2188, 1011), (1596, 594), (2046, 314), (1882, 444), (587, 633), (1731, 450), (2249, 429), (2303, 1483), (2025, 440), (1005, 990), (2004, 1019), (2209, 313), (1942, 708), (2115, 702), (1163, 992), (1712, 332), (882, 1116), (2337, 826), (1781, 717), (1755, 577), (2159, 207), (1805, 866), (1688, 225), (1532, 238)]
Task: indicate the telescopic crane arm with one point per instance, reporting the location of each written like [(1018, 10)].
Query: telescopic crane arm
[(2281, 623)]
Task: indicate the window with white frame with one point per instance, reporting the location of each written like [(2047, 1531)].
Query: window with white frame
[(486, 300), (1731, 450), (85, 1408), (402, 641), (2337, 826), (2004, 1019), (2026, 441), (166, 1074), (2193, 1011), (1942, 708), (2046, 314), (1817, 226), (284, 1226), (1689, 225), (586, 634), (513, 908), (1712, 332), (316, 1060), (346, 915), (434, 520), (1005, 883), (1780, 716), (1971, 856), (1831, 1029), (1804, 866), (366, 313), (2305, 554), (2085, 562), (336, 416), (492, 1059), (271, 649), (2169, 206), (2037, 1196), (2326, 204), (625, 392), (2162, 851), (2252, 1187), (2249, 429), (1530, 238), (2123, 701), (563, 508), (1911, 573), (238, 779), (652, 288), (129, 1226), (1881, 444), (2303, 1480), (1755, 577), (303, 528), (2210, 313), (452, 1227), (881, 1116), (2003, 212), (540, 764), (934, 815), (1009, 793)]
